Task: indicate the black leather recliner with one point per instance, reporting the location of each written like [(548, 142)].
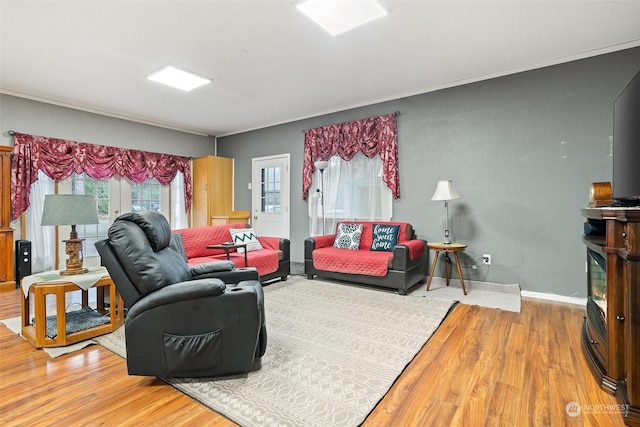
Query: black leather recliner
[(207, 320)]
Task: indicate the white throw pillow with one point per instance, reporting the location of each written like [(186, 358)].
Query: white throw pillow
[(245, 235), (348, 236)]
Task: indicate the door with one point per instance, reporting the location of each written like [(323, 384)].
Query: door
[(114, 197), (270, 195)]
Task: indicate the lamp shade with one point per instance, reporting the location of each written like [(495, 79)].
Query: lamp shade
[(445, 191), (321, 164), (67, 209)]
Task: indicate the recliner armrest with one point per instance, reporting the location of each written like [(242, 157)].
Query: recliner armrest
[(231, 276), (211, 267), (182, 291)]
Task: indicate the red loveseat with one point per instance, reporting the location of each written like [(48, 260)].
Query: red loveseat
[(272, 261), (404, 265)]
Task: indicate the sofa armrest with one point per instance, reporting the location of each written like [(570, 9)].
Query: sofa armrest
[(317, 242), (408, 254), (269, 242), (324, 241), (277, 244), (285, 247)]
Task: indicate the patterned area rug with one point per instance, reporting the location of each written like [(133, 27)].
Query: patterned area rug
[(333, 352)]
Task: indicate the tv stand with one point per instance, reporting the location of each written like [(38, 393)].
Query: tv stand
[(612, 345), (624, 204)]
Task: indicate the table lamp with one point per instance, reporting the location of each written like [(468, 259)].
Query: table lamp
[(67, 209), (446, 192)]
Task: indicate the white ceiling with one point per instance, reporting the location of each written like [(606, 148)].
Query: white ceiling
[(270, 64)]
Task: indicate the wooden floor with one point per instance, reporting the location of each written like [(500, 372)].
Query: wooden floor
[(482, 367)]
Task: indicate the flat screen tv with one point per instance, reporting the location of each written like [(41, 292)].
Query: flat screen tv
[(626, 144)]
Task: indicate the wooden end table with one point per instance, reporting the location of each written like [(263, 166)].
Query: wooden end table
[(35, 332), (446, 248), (227, 249)]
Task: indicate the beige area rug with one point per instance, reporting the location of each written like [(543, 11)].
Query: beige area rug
[(333, 352)]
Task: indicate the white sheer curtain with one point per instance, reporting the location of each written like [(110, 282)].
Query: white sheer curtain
[(43, 248), (353, 190), (43, 245), (178, 215)]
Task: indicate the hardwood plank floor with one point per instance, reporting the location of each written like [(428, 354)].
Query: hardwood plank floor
[(482, 367)]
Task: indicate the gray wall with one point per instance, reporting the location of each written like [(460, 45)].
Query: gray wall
[(522, 151), (37, 118)]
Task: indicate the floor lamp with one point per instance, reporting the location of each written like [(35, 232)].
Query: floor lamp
[(446, 192), (321, 165)]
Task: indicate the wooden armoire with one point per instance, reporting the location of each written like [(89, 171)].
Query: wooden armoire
[(212, 201), (6, 232)]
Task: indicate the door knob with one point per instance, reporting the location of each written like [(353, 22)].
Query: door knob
[(255, 217)]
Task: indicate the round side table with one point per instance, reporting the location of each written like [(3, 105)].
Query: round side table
[(446, 248)]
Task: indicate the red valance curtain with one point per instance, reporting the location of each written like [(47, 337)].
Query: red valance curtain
[(59, 158), (372, 136)]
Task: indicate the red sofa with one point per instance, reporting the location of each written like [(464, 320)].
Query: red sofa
[(272, 261), (402, 267)]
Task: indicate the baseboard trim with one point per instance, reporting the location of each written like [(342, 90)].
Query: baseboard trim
[(554, 297)]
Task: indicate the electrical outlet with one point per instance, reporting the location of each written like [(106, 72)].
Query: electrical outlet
[(486, 259)]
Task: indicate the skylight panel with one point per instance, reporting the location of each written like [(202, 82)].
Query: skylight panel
[(177, 78), (338, 16)]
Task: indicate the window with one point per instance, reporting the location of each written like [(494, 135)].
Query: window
[(84, 185), (146, 196), (270, 191), (353, 190), (114, 197)]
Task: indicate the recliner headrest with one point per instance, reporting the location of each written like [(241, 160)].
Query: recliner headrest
[(155, 226)]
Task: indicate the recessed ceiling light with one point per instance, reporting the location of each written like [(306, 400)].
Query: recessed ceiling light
[(178, 78), (338, 16)]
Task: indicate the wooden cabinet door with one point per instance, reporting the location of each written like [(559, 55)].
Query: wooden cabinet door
[(6, 232), (212, 189)]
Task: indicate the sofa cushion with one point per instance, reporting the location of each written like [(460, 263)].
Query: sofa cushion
[(348, 236), (371, 263), (406, 231), (245, 235), (385, 237), (265, 261), (196, 239)]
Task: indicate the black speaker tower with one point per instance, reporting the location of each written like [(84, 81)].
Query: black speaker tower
[(23, 260)]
